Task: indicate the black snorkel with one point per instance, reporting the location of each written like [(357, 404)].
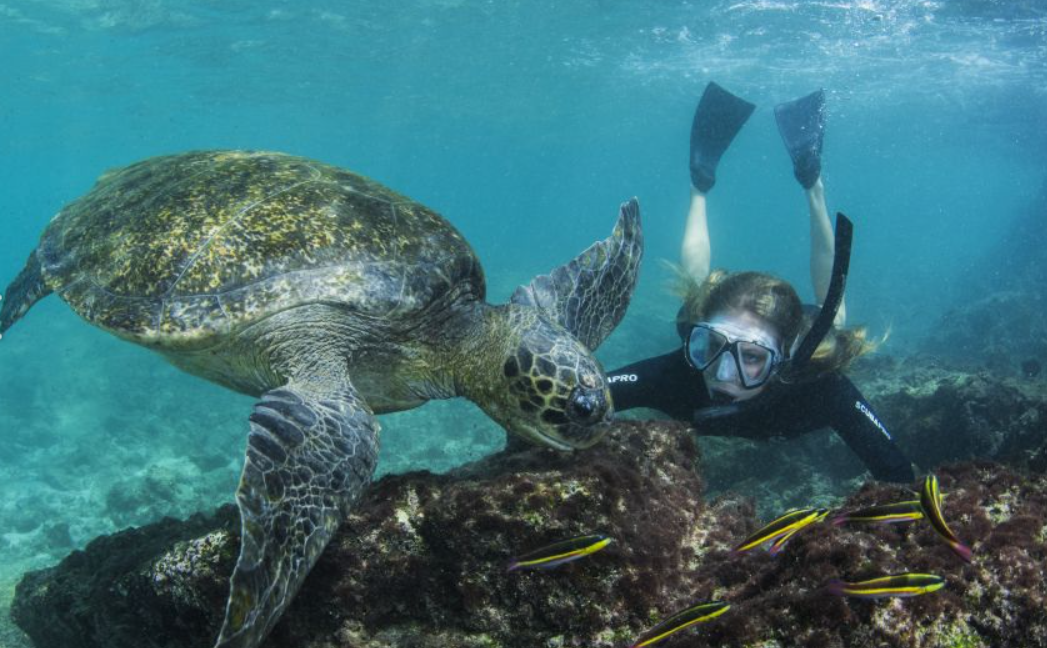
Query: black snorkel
[(833, 298), (814, 336)]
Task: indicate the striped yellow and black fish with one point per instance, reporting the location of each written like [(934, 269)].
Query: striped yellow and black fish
[(558, 553), (698, 613), (931, 502), (883, 514), (781, 529), (776, 547), (898, 585)]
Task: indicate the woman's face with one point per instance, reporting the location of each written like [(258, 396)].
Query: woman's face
[(721, 377)]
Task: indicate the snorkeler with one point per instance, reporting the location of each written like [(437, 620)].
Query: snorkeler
[(755, 361)]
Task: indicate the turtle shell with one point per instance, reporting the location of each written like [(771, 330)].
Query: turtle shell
[(181, 248)]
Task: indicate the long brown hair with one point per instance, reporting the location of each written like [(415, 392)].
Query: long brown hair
[(774, 301)]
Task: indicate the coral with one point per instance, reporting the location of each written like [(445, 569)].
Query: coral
[(421, 563)]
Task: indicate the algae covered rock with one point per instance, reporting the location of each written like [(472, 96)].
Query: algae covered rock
[(422, 563), (997, 601), (942, 415), (150, 586)]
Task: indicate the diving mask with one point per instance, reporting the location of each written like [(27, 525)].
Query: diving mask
[(746, 357)]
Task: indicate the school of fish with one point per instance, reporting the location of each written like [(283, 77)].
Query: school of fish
[(774, 536)]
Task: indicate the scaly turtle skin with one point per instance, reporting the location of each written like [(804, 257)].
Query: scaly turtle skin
[(331, 298)]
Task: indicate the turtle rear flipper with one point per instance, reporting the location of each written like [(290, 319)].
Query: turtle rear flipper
[(589, 295), (311, 450), (27, 289)]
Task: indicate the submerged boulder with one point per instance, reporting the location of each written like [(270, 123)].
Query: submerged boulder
[(422, 559), (941, 414), (157, 585), (995, 601)]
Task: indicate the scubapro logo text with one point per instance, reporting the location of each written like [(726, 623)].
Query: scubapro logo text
[(622, 378), (860, 406)]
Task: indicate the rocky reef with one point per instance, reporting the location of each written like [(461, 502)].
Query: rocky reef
[(937, 413), (996, 601), (1004, 331), (944, 415), (998, 319), (422, 563)]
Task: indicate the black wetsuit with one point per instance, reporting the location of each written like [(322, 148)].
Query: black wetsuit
[(669, 384)]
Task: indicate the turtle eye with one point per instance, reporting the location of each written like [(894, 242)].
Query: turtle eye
[(586, 405)]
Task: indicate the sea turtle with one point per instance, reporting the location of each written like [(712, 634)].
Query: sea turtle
[(331, 298)]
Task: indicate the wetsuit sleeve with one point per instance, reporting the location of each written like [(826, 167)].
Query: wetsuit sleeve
[(665, 383), (857, 424)]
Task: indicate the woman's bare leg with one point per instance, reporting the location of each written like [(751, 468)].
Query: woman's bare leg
[(822, 247), (695, 251)]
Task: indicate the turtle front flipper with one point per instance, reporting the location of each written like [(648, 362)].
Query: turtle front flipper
[(311, 450), (589, 295)]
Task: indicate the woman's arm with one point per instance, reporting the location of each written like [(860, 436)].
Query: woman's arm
[(665, 383), (855, 421)]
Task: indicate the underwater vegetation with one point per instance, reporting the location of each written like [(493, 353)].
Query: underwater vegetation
[(421, 563)]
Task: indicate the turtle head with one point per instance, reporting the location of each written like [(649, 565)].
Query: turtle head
[(540, 382)]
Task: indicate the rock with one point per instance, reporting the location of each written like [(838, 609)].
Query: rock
[(937, 414), (998, 600), (169, 578), (421, 564), (422, 559), (999, 317), (57, 535), (942, 415), (1002, 331)]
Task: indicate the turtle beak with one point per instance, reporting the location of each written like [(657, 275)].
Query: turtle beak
[(586, 436), (566, 436), (569, 437), (553, 442)]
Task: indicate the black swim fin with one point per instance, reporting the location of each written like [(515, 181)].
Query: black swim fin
[(717, 119), (802, 123)]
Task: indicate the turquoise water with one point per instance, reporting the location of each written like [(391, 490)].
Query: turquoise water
[(526, 124)]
